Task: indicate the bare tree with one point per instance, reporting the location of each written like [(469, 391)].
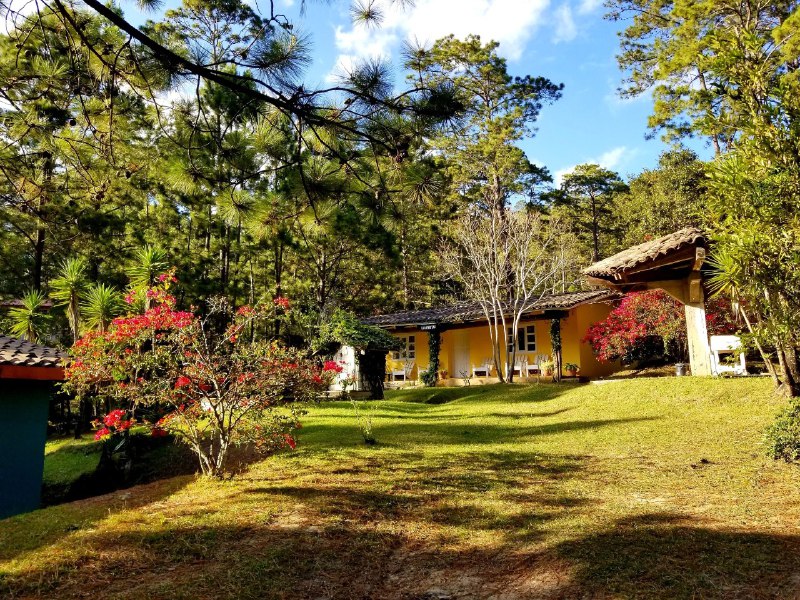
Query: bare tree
[(506, 262)]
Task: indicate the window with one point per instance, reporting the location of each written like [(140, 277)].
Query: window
[(526, 339), (408, 350)]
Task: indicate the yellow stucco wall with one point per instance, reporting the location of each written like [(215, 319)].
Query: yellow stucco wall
[(478, 346)]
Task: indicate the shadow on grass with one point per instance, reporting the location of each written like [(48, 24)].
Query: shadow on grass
[(479, 393), (667, 556), (402, 435), (372, 531), (154, 459), (654, 556), (28, 532), (452, 493)]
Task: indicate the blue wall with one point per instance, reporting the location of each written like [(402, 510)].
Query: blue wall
[(23, 430)]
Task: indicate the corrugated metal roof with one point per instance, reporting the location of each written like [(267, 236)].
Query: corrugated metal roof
[(642, 253), (471, 311), (21, 353)]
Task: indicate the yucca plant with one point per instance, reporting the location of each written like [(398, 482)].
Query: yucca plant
[(68, 288), (29, 320), (101, 305), (148, 263)]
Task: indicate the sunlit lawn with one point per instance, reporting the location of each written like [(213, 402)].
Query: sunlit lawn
[(649, 488)]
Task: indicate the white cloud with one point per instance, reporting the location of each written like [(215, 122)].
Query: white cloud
[(610, 159), (365, 42), (565, 29), (509, 22), (587, 6)]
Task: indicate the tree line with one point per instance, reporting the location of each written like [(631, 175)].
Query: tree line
[(336, 197)]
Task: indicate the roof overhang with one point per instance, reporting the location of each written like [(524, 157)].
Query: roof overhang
[(676, 257), (31, 373)]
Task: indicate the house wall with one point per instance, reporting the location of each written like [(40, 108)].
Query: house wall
[(23, 430), (573, 329)]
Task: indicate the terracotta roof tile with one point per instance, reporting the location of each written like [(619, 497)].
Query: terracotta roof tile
[(21, 353), (471, 311), (636, 255)]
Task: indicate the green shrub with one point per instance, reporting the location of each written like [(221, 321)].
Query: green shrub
[(783, 436)]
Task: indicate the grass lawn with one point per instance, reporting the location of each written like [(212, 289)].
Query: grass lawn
[(66, 459), (634, 489)]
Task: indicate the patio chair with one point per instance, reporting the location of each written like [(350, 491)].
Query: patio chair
[(533, 368), (396, 371), (483, 370), (519, 366), (408, 368)]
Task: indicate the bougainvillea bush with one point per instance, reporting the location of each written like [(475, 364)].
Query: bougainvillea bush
[(649, 324), (212, 382), (640, 319)]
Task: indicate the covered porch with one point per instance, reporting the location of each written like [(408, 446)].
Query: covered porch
[(465, 348), (673, 263)]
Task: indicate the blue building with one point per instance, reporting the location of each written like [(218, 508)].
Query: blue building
[(27, 376)]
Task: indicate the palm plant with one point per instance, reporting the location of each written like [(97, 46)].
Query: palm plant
[(68, 288), (28, 320), (102, 303)]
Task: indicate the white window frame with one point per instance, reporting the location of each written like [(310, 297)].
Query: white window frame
[(409, 349), (526, 339)]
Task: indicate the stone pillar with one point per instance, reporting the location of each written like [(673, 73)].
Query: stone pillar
[(697, 337)]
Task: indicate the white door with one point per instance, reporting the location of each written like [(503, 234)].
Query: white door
[(461, 354)]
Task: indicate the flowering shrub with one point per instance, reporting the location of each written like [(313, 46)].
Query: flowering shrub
[(639, 318), (642, 317), (720, 318), (213, 386), (113, 423)]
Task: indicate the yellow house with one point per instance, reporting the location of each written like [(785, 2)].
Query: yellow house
[(465, 347)]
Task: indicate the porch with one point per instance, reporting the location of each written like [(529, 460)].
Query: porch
[(465, 350)]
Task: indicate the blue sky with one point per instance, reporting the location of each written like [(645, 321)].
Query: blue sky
[(567, 41)]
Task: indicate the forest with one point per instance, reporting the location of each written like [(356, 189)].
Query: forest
[(193, 143)]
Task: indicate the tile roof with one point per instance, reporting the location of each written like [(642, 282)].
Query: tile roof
[(471, 311), (21, 353), (637, 255)]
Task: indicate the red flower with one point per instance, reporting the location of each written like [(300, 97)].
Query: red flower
[(113, 418), (158, 432), (282, 302), (101, 434), (182, 381), (290, 441), (332, 365)]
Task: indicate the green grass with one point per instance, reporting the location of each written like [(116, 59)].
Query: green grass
[(634, 489), (66, 459)]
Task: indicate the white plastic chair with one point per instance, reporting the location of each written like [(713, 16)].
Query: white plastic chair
[(484, 370)]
